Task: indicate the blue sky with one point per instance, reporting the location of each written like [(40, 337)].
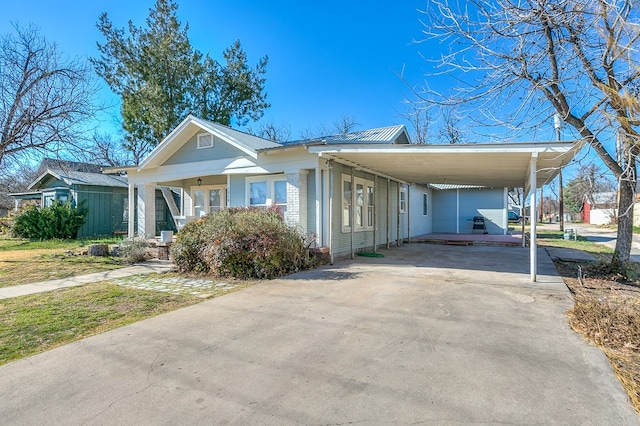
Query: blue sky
[(326, 59)]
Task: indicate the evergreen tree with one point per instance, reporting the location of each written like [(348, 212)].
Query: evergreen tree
[(161, 78)]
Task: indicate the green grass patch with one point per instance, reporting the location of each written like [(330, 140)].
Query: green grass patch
[(11, 244), (36, 323), (556, 239)]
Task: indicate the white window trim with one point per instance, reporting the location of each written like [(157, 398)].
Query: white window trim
[(365, 205), (270, 180), (201, 137), (402, 201), (206, 188)]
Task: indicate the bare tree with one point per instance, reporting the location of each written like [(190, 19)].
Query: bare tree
[(44, 97), (417, 114), (106, 150), (523, 61), (345, 124), (272, 131), (450, 128)]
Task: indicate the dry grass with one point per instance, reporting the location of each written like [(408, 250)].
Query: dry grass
[(24, 262), (606, 312)]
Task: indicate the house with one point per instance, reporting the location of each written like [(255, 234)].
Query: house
[(104, 195), (352, 192), (599, 208)]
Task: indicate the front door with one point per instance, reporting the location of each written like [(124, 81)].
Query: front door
[(208, 199)]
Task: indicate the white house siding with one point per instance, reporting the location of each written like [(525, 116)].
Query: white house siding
[(445, 208), (420, 223), (601, 216), (454, 209), (311, 202), (488, 203)]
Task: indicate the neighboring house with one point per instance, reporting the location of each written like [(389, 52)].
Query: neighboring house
[(352, 192), (599, 208), (104, 195)]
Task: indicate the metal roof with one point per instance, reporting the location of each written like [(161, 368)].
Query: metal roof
[(381, 135)]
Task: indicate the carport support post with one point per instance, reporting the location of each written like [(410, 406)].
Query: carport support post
[(388, 211), (408, 213), (533, 252), (131, 201), (352, 222), (398, 222)]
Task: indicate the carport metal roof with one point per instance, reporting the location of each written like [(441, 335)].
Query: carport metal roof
[(497, 165)]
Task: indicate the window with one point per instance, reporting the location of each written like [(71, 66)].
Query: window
[(205, 140), (370, 206), (364, 204), (280, 195), (258, 194), (403, 200), (207, 199), (267, 191), (346, 204), (425, 204), (125, 208), (161, 214)]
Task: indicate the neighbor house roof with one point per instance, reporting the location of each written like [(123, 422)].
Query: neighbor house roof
[(74, 173), (602, 198)]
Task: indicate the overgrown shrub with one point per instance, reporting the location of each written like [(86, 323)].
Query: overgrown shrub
[(6, 224), (133, 250), (241, 243), (59, 220)]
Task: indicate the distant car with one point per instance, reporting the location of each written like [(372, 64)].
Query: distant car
[(516, 218)]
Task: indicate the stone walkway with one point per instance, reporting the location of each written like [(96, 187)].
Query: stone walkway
[(176, 285), (143, 268)]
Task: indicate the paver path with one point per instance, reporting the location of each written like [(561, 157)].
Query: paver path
[(147, 267)]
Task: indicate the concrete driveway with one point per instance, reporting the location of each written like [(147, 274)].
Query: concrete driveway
[(429, 334)]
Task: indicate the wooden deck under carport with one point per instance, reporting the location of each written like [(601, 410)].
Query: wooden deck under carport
[(513, 240)]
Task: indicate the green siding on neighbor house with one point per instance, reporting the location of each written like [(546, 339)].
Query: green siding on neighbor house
[(189, 152), (103, 204)]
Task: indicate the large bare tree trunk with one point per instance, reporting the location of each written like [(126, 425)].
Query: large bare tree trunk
[(627, 187)]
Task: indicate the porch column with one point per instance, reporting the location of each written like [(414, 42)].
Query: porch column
[(297, 199), (533, 243), (131, 202), (147, 210)]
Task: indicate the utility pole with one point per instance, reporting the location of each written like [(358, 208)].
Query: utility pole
[(557, 123)]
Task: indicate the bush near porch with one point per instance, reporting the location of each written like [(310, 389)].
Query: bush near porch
[(241, 243)]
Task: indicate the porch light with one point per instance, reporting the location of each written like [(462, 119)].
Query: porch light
[(199, 182)]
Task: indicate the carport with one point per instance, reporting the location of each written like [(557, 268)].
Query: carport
[(524, 164)]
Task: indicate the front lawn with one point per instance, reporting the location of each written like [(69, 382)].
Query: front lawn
[(39, 322), (23, 261)]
